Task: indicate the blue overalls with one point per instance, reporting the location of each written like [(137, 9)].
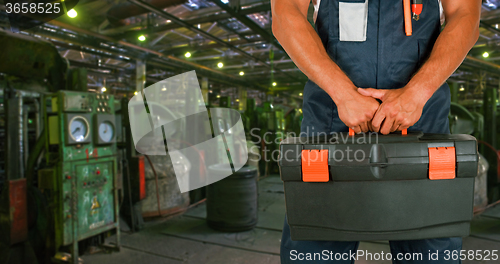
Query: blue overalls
[(378, 55)]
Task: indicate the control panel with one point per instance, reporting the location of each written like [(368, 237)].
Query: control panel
[(82, 165)]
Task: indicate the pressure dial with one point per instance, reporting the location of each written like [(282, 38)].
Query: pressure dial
[(106, 131), (78, 128)]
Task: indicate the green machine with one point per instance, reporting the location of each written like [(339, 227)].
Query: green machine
[(80, 180), (273, 121)]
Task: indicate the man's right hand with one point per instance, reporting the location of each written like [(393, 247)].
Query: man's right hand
[(302, 43), (356, 111)]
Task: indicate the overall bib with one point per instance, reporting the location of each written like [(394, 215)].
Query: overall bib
[(366, 39)]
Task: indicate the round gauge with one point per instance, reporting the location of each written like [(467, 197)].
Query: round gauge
[(78, 128), (106, 131)]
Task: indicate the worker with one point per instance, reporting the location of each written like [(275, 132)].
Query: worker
[(369, 72)]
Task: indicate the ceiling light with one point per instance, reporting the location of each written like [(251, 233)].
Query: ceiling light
[(164, 88), (242, 73), (142, 38), (218, 96), (220, 64), (135, 92), (486, 54), (300, 94), (72, 13), (274, 83), (188, 54), (103, 89)]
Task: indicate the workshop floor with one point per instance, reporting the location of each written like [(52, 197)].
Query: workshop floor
[(188, 239)]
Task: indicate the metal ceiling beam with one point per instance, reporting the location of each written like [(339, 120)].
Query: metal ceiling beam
[(78, 46), (489, 27), (162, 58), (241, 16), (198, 20), (194, 29), (66, 46), (201, 32), (114, 69), (181, 48), (230, 30)]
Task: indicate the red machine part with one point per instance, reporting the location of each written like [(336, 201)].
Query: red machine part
[(142, 178), (18, 209)]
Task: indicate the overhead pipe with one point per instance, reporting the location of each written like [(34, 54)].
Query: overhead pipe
[(486, 63)]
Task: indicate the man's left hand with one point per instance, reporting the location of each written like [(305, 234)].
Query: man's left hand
[(400, 108)]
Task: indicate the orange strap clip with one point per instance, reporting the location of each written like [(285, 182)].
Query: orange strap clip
[(315, 165), (442, 163)]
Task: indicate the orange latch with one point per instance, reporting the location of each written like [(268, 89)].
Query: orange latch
[(442, 163), (315, 165)]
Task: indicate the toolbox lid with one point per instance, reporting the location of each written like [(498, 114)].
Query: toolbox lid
[(383, 157)]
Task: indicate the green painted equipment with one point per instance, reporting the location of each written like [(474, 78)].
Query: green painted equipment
[(80, 180), (225, 101)]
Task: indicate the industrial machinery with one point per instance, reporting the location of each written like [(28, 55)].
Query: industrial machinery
[(293, 121), (30, 67), (80, 180), (132, 163), (274, 122)]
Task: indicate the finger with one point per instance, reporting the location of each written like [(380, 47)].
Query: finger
[(369, 123), (395, 126), (377, 120), (356, 129), (375, 93), (387, 125), (364, 127), (401, 127)]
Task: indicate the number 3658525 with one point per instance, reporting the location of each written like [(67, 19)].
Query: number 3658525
[(33, 8)]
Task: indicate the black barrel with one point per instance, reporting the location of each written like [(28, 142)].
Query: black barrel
[(232, 201)]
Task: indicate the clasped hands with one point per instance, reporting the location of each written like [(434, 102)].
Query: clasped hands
[(398, 110)]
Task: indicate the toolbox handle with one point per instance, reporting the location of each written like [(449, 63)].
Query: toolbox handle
[(404, 132)]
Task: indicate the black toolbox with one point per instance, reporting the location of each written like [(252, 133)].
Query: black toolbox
[(346, 187)]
